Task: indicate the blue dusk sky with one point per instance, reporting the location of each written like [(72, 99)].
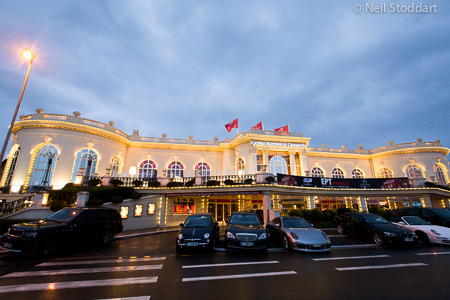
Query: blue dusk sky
[(340, 73)]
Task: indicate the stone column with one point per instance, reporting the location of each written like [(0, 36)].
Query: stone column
[(304, 163), (162, 211), (293, 163), (82, 199), (363, 206), (266, 206), (425, 200), (312, 205), (40, 199), (265, 160)]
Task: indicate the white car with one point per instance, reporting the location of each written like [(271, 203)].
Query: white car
[(426, 233)]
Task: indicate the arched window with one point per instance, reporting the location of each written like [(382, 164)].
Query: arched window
[(240, 166), (11, 165), (440, 172), (357, 173), (202, 169), (147, 169), (116, 166), (317, 172), (413, 171), (337, 173), (384, 173), (85, 163), (175, 169), (44, 166), (277, 164)]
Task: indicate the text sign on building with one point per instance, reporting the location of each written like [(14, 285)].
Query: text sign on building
[(277, 144)]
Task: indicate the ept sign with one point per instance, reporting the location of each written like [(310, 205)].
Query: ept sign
[(325, 182)]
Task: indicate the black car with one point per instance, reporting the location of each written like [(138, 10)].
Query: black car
[(245, 231), (199, 231), (374, 226), (436, 216), (64, 226)]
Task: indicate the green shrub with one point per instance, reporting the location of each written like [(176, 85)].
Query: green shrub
[(67, 194), (117, 199), (175, 184), (307, 214), (248, 181), (58, 205), (295, 213), (116, 182), (94, 182), (189, 183), (343, 210), (136, 195), (137, 183), (329, 214), (385, 213), (212, 183), (270, 179), (229, 182), (95, 202), (154, 184), (316, 215), (107, 192)]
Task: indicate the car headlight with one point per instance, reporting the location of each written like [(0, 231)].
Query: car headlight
[(390, 234), (294, 235), (324, 235), (30, 234), (230, 235), (180, 236), (206, 235), (262, 236), (435, 232)]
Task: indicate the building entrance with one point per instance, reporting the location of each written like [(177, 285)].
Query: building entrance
[(222, 211)]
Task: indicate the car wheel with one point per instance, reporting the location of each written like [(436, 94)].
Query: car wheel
[(285, 242), (107, 237), (341, 229), (379, 239), (423, 238), (49, 247)]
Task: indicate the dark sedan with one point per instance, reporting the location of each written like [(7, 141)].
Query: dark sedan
[(245, 231), (374, 226), (199, 231)]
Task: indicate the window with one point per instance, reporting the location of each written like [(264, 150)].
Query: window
[(151, 209), (202, 169), (384, 173), (277, 164), (357, 173), (175, 169), (183, 206), (147, 169), (413, 171), (12, 166), (86, 163), (240, 166), (138, 208), (317, 172), (440, 174), (116, 166), (44, 166), (337, 173)]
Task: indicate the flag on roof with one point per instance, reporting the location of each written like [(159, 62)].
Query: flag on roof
[(284, 129), (258, 126), (231, 125)]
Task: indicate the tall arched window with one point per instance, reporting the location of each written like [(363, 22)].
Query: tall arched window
[(202, 169), (413, 171), (277, 164), (11, 165), (357, 173), (240, 166), (116, 166), (317, 172), (147, 169), (44, 166), (440, 171), (337, 173), (384, 173), (175, 169), (85, 163)]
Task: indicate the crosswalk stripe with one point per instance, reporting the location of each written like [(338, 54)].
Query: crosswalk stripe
[(75, 284), (231, 264), (381, 267), (433, 253), (350, 257), (100, 261), (129, 298), (238, 276), (83, 271)]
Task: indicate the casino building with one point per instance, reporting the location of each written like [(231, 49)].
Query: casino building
[(50, 150)]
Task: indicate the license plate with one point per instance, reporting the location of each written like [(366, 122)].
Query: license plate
[(248, 244), (317, 246), (411, 239), (191, 244), (6, 245)]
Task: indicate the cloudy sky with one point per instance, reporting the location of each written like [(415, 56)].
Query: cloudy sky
[(189, 67)]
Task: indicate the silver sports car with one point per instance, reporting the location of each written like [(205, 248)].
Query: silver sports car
[(297, 234)]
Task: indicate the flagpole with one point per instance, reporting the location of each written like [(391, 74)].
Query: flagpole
[(262, 124)]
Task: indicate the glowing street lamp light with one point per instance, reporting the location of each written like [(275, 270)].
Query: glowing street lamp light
[(30, 56)]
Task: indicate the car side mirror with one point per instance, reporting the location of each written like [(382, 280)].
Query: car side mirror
[(402, 223), (181, 224), (216, 223), (312, 225), (277, 225)]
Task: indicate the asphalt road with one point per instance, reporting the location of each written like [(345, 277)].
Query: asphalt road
[(148, 267)]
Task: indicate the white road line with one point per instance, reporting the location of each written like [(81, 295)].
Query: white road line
[(433, 253), (129, 298), (382, 267), (338, 235), (83, 271), (354, 246), (75, 284), (100, 261), (350, 257), (232, 264), (238, 276)]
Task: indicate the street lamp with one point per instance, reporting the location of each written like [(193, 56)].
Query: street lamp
[(30, 56)]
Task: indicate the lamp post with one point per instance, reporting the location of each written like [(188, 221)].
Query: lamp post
[(30, 56)]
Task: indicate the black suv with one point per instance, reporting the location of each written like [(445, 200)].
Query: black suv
[(66, 225), (436, 216)]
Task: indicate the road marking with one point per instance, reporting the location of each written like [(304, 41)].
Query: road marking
[(338, 235), (350, 257), (382, 267), (354, 246), (100, 261), (83, 271), (232, 264), (433, 253), (75, 284), (129, 298), (238, 276)]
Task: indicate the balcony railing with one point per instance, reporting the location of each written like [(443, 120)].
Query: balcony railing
[(9, 207)]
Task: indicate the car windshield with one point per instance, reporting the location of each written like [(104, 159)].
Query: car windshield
[(411, 220), (64, 215), (443, 213), (244, 219), (198, 221), (295, 223), (374, 219)]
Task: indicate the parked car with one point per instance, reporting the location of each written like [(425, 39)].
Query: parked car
[(374, 226), (64, 226), (297, 234), (199, 231), (425, 231), (245, 231), (436, 216)]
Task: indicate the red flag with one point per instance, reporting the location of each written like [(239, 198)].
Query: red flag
[(284, 129), (258, 126), (232, 125)]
